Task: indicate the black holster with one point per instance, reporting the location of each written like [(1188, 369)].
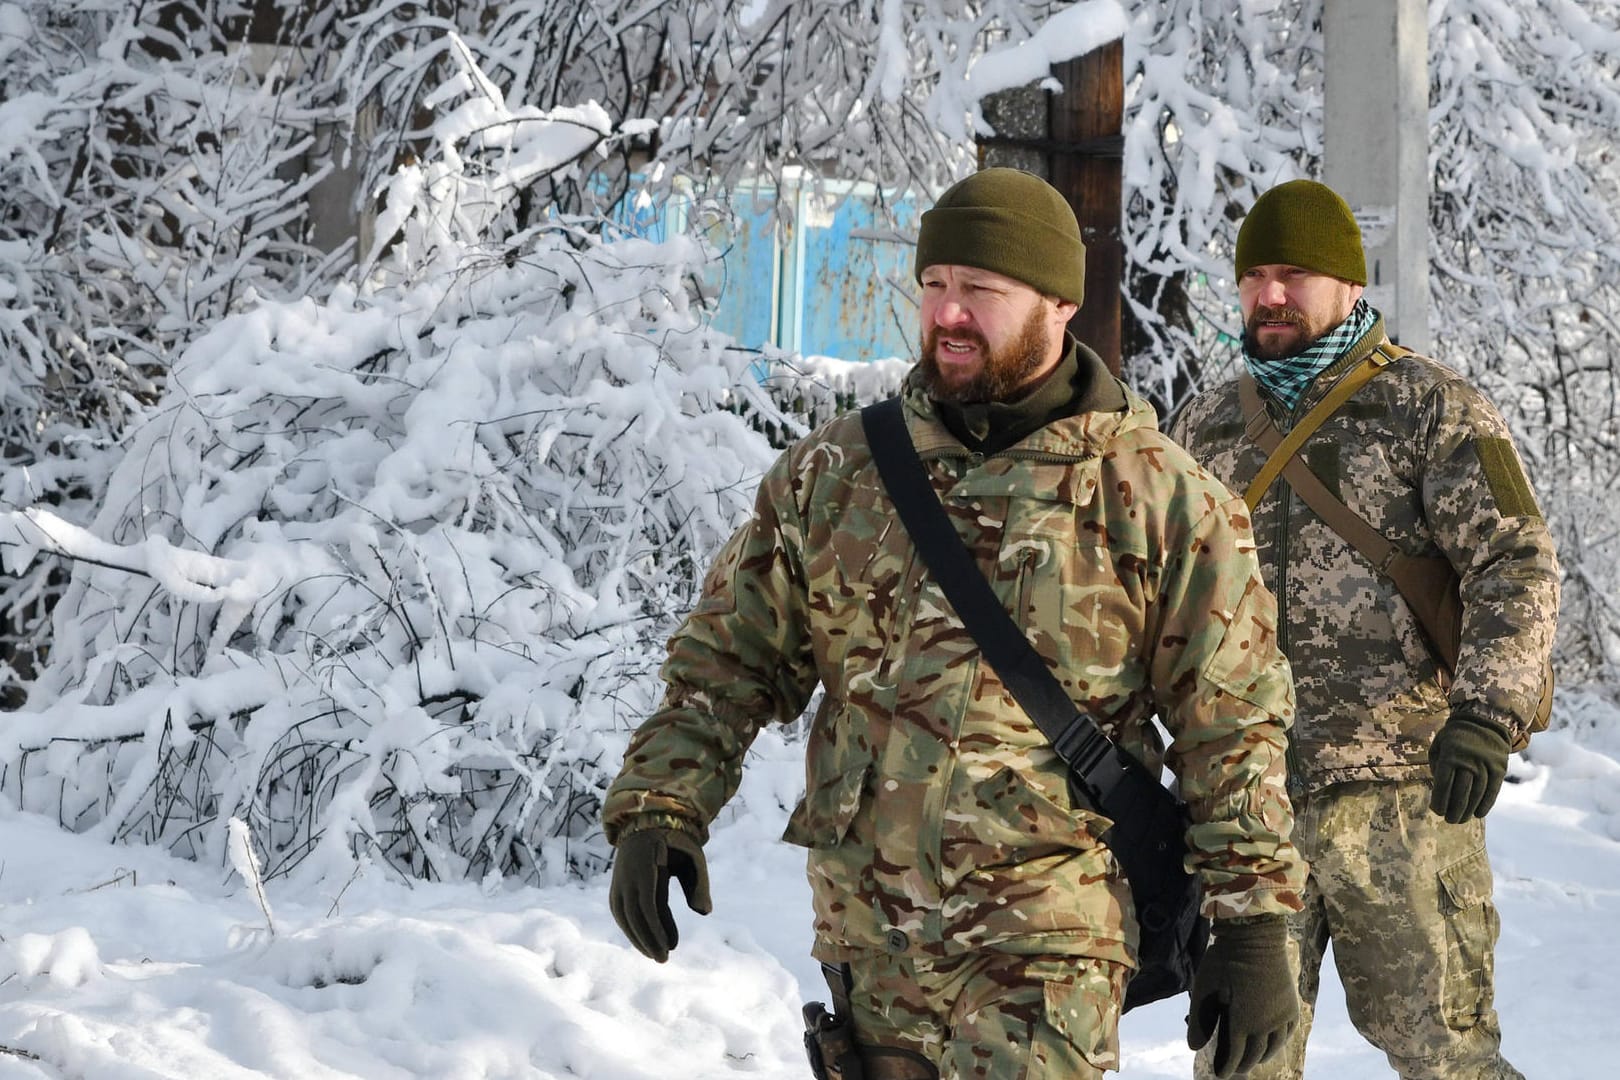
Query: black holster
[(829, 1042)]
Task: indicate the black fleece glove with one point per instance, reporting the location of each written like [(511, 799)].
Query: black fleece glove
[(1244, 994), (1468, 759), (643, 863)]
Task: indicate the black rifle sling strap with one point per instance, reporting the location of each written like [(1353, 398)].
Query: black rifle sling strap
[(1074, 735), (1078, 740), (1148, 834)]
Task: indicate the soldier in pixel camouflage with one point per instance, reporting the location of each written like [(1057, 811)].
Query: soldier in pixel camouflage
[(986, 931), (1391, 770)]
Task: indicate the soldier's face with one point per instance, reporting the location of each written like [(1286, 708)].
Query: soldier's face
[(1286, 308), (986, 336)]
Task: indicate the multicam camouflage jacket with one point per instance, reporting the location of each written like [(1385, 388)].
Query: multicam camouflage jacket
[(1426, 459), (937, 817)]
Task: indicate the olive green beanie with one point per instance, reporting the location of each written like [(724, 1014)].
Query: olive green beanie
[(1306, 224), (1011, 222)]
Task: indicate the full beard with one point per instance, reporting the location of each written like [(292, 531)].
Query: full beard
[(1005, 372), (1307, 337)]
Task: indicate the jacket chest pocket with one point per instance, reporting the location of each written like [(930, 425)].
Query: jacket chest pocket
[(1078, 609), (854, 587)]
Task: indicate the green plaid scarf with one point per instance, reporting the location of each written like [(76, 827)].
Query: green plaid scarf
[(1287, 379)]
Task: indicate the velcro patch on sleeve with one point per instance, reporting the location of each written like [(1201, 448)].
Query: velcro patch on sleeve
[(1505, 476)]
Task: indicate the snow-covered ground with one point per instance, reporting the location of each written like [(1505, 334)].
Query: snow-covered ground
[(122, 963)]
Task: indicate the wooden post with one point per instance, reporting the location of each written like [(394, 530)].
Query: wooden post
[(1075, 139), (1087, 122)]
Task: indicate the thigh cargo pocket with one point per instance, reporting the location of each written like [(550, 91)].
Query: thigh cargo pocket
[(1081, 1018), (1472, 926)]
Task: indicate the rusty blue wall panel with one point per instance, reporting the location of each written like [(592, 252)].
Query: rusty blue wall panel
[(834, 281), (856, 296), (745, 282)]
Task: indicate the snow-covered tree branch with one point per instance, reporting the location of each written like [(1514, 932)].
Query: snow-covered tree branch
[(375, 549), (388, 574)]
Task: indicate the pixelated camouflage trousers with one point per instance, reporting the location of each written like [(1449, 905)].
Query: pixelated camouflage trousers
[(993, 1016), (1405, 900)]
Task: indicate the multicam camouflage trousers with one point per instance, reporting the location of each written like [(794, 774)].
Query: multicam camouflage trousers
[(994, 1016), (1406, 901)]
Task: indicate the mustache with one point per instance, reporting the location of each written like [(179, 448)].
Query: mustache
[(936, 335), (1277, 314)]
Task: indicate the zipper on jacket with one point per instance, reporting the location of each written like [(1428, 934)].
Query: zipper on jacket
[(1296, 776), (1339, 368), (976, 458), (930, 835), (1046, 457)]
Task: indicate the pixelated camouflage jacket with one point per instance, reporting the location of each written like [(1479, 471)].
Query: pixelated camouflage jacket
[(937, 817), (1426, 459)]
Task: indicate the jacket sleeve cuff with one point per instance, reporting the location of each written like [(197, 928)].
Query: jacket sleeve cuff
[(1249, 920), (1506, 724), (1279, 900), (643, 822)]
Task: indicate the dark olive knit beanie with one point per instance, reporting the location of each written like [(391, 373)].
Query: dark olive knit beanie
[(1011, 222), (1305, 224)]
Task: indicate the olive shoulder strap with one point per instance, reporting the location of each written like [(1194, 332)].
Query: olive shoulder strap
[(1427, 583), (1283, 449)]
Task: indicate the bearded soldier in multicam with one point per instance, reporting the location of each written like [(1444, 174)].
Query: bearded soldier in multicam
[(986, 930), (1391, 770)]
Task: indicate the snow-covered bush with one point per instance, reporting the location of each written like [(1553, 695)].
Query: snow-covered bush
[(1524, 245), (150, 184), (389, 574), (810, 390), (1222, 101), (885, 91), (388, 569)]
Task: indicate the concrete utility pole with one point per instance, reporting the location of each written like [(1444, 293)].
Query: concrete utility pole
[(1377, 148)]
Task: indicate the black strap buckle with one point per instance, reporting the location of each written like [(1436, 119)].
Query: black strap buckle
[(1092, 758)]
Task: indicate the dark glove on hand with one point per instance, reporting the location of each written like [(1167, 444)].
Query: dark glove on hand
[(1468, 759), (1244, 993), (639, 893)]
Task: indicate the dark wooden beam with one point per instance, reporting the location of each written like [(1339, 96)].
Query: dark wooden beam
[(1087, 162), (1075, 139)]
